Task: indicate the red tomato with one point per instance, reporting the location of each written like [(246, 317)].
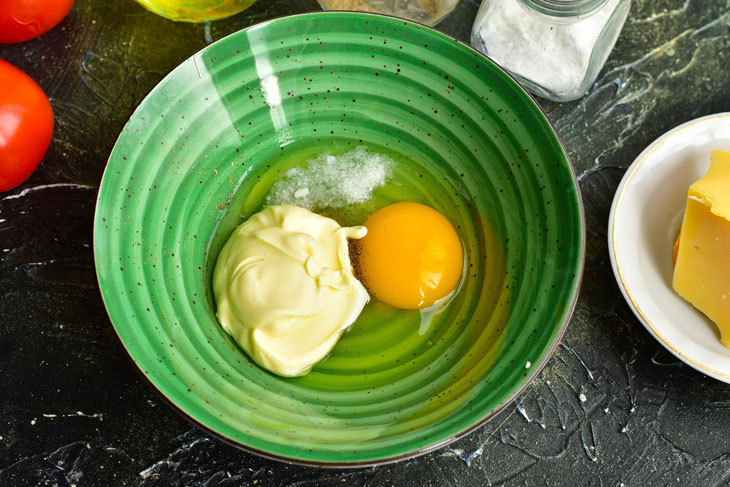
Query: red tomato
[(26, 125), (21, 20)]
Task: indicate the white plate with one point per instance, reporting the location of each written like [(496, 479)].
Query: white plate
[(645, 216)]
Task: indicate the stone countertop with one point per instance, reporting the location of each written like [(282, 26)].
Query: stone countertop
[(612, 407)]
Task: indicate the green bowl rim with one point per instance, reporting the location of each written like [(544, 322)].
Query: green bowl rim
[(435, 446)]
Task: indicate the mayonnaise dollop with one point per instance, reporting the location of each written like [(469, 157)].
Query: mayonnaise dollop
[(285, 289)]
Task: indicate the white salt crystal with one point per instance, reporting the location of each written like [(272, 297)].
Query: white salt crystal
[(332, 181)]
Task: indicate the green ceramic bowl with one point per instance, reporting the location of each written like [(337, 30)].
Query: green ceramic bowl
[(200, 154)]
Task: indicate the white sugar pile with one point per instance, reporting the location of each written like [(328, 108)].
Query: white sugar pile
[(332, 181)]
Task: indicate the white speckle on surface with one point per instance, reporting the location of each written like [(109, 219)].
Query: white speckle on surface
[(207, 33), (32, 422), (605, 410), (521, 409), (2, 220), (48, 186), (528, 365), (49, 415), (98, 416), (332, 181), (472, 455), (582, 397)]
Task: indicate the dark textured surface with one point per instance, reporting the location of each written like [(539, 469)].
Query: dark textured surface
[(611, 408)]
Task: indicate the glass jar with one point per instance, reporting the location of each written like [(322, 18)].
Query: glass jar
[(196, 10), (427, 12), (555, 48)]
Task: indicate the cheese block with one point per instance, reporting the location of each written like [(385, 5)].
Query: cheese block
[(702, 270)]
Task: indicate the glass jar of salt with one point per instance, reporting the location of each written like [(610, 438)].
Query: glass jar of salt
[(555, 48)]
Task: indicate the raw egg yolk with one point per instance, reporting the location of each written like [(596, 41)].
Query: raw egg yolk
[(411, 256)]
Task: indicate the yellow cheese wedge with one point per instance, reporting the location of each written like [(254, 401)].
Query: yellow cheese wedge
[(702, 271)]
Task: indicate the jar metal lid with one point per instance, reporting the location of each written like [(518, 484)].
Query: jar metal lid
[(564, 8)]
